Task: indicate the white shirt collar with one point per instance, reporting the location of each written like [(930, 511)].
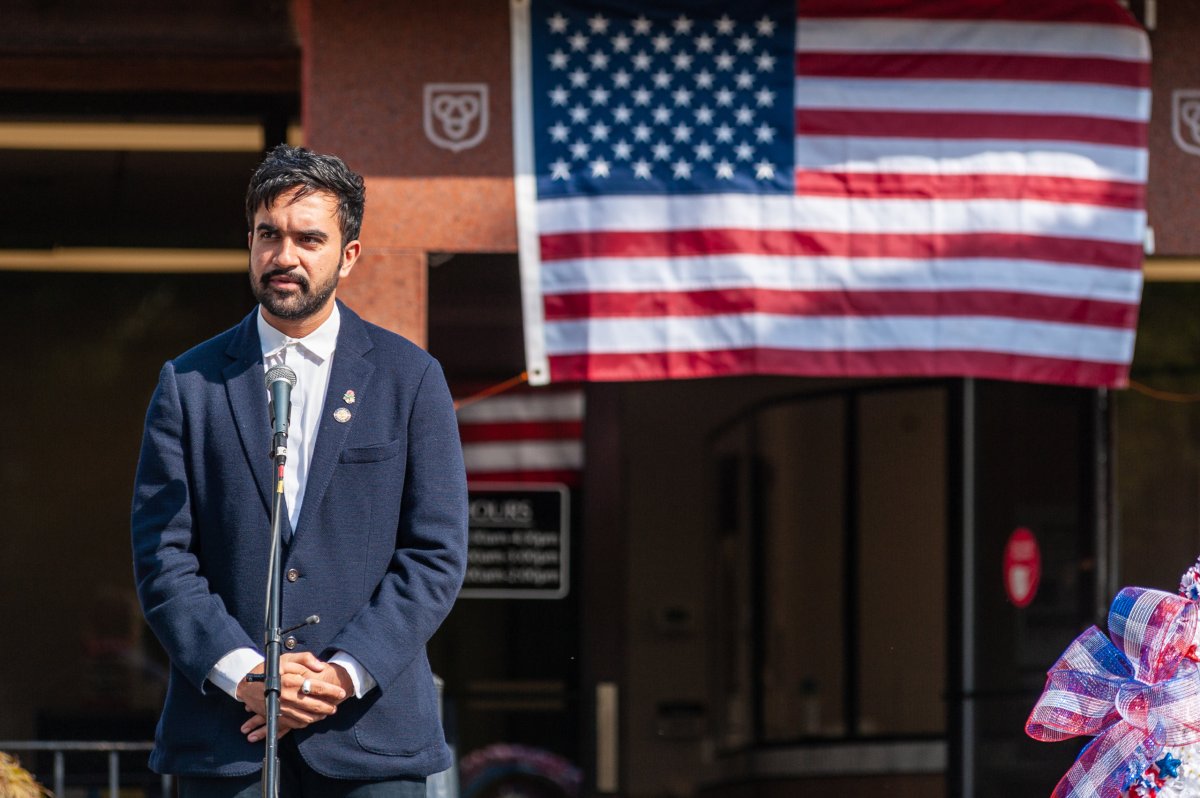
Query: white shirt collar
[(320, 343)]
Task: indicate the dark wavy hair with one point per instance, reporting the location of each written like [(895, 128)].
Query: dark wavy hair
[(286, 168)]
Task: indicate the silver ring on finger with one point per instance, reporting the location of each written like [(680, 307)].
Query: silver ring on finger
[(306, 686)]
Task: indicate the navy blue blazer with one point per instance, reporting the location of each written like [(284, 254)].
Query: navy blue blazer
[(379, 547)]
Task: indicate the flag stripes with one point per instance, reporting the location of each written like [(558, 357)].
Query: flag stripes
[(571, 280), (962, 191), (726, 301), (924, 65), (800, 363), (524, 436)]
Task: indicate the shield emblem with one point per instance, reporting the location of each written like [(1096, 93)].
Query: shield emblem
[(1185, 119), (456, 114)]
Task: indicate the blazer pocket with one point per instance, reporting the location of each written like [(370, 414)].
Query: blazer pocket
[(372, 454), (404, 720)]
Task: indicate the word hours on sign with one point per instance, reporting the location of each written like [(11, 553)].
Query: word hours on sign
[(518, 543)]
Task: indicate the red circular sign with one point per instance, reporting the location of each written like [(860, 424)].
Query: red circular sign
[(1022, 567)]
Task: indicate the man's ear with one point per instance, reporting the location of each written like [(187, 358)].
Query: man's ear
[(350, 254)]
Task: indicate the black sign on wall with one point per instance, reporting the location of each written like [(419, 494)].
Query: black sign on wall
[(518, 545)]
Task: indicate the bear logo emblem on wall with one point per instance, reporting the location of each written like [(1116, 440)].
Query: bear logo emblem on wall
[(1185, 119), (456, 114)]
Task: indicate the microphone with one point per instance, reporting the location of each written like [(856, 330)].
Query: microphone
[(280, 381)]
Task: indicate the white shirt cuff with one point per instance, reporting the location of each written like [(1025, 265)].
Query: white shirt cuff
[(230, 669), (362, 680)]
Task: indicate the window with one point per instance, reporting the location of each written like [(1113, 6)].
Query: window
[(831, 575)]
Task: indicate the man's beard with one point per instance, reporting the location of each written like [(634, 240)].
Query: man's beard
[(294, 305)]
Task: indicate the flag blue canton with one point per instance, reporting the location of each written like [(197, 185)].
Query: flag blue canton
[(657, 102)]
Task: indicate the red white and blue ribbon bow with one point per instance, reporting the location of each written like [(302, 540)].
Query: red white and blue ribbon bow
[(1138, 693)]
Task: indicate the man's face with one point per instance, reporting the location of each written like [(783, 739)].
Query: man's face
[(297, 256)]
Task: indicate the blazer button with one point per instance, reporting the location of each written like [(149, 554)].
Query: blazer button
[(290, 643), (293, 575)]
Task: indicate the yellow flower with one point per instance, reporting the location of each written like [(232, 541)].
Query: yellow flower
[(16, 782)]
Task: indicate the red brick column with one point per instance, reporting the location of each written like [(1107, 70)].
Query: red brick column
[(388, 288), (365, 67)]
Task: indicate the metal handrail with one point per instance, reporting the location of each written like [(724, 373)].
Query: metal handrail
[(61, 747)]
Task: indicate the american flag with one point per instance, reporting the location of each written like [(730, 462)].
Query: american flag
[(836, 188), (524, 436)]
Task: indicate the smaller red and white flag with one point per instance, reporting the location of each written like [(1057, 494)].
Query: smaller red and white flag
[(524, 436)]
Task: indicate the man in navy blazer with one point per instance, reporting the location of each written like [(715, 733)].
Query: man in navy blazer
[(375, 539)]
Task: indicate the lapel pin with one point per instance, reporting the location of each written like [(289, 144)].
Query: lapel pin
[(348, 397), (341, 415)]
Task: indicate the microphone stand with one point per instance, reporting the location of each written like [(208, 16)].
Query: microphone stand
[(273, 642), (280, 381)]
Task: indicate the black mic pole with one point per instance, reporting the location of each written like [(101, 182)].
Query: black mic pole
[(280, 381)]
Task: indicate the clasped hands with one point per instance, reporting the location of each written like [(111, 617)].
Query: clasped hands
[(329, 685)]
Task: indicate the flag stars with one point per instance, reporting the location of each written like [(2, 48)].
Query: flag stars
[(560, 170), (626, 128)]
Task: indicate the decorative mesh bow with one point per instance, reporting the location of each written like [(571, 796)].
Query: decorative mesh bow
[(1136, 693)]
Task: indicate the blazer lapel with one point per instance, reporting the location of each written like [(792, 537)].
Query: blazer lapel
[(351, 371), (248, 400)]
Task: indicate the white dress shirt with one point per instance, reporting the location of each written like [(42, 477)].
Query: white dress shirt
[(311, 357)]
